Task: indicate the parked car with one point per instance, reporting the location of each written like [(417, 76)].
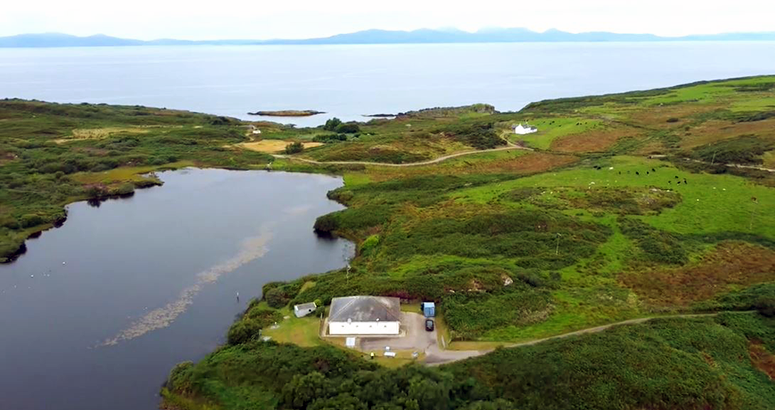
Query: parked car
[(429, 325)]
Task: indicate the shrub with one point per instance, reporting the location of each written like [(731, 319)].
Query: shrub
[(348, 128), (294, 148), (125, 189), (477, 135), (276, 298), (250, 325), (326, 224), (30, 220), (96, 191), (766, 306), (243, 331), (329, 138)]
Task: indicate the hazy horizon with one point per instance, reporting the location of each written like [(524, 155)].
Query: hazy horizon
[(240, 19), (441, 29)]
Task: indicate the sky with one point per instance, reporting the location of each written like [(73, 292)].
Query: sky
[(262, 19)]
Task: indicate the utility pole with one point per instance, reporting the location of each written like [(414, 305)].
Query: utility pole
[(753, 212), (557, 251)]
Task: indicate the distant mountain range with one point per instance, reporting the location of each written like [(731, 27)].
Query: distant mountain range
[(424, 36)]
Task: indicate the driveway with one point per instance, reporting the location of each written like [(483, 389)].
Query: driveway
[(416, 338), (420, 340)]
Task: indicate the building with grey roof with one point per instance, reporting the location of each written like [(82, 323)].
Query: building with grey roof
[(364, 315)]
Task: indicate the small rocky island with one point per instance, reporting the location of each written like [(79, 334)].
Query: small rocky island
[(287, 113)]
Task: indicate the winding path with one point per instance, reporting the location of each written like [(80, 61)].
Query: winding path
[(436, 356), (732, 165), (410, 164)]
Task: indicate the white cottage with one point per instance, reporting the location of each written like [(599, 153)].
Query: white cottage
[(364, 315), (524, 129), (254, 130)]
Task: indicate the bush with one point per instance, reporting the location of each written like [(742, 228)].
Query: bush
[(96, 191), (125, 189), (766, 306), (348, 128), (329, 138), (29, 220), (250, 325), (243, 331), (294, 148), (326, 224), (477, 135), (276, 298), (332, 124)]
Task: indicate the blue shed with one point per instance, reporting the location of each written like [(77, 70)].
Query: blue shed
[(429, 309)]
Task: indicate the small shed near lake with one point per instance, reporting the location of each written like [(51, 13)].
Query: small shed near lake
[(304, 309)]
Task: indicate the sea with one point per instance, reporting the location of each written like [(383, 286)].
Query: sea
[(351, 81)]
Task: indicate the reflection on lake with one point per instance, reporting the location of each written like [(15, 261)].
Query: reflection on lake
[(97, 312)]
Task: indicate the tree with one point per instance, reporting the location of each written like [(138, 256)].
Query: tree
[(332, 124), (303, 390)]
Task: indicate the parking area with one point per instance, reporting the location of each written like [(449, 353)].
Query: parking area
[(416, 337)]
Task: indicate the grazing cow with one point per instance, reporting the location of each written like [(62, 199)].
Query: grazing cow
[(637, 173), (653, 170), (670, 182), (647, 172), (679, 182), (676, 177)]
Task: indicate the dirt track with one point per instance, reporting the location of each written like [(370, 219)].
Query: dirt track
[(435, 358), (411, 164)]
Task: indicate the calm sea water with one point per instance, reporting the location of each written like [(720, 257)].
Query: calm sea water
[(151, 281), (350, 81)]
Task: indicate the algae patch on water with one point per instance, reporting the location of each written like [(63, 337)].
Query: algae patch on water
[(251, 249)]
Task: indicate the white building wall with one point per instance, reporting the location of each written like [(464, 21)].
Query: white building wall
[(363, 328)]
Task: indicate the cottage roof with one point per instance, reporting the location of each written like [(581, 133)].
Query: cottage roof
[(304, 306), (365, 309)]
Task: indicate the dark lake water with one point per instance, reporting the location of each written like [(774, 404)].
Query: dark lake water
[(150, 281), (349, 81)]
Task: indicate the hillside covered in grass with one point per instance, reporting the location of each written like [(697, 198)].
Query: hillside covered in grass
[(713, 363), (622, 206)]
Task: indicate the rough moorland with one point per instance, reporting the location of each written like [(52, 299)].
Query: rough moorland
[(621, 206)]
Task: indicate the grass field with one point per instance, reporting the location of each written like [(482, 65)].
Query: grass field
[(303, 331)]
